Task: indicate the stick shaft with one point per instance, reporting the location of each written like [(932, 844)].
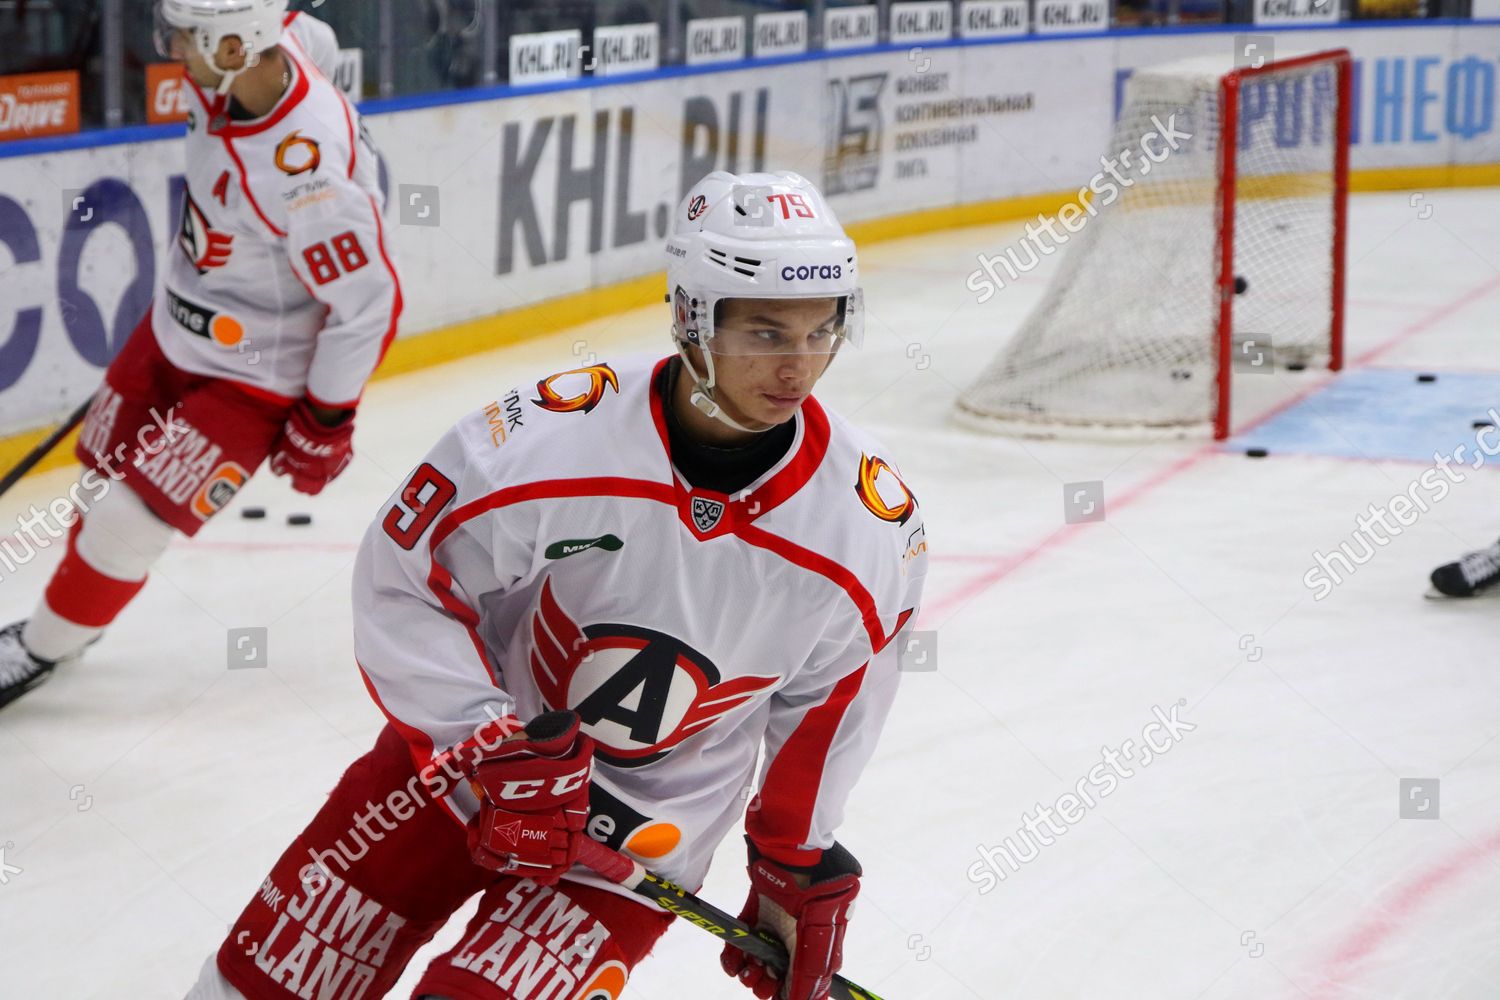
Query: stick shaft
[(38, 453), (673, 898)]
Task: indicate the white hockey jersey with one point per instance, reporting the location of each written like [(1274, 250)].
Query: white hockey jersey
[(547, 555), (282, 278)]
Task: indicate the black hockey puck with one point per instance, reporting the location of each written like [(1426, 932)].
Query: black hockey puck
[(299, 519), (1426, 378), (1240, 284), (1483, 423), (253, 513), (1296, 366), (1256, 452)]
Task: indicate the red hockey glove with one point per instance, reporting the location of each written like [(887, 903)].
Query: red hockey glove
[(534, 799), (312, 453), (808, 909)]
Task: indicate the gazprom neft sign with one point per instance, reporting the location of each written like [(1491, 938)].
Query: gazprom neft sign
[(624, 48), (545, 57), (715, 40), (1288, 12)]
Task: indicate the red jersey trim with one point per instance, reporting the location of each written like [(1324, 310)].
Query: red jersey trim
[(311, 67), (743, 508), (549, 489), (331, 406), (353, 143), (398, 306), (245, 186), (825, 567), (293, 97), (420, 746), (783, 822), (440, 581)]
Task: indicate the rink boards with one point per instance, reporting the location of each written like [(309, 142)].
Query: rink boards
[(508, 199)]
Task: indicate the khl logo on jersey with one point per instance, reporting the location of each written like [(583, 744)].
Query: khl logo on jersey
[(639, 692), (706, 513)]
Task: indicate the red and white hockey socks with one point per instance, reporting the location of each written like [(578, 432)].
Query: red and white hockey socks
[(109, 553)]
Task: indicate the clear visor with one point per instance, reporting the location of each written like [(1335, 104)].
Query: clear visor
[(167, 35), (817, 327)]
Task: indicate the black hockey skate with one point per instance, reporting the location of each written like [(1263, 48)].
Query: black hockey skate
[(19, 670), (1468, 577)]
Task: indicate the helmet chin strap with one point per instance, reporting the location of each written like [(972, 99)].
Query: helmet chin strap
[(702, 396), (227, 76)]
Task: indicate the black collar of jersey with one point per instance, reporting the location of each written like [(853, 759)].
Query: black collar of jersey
[(706, 467)]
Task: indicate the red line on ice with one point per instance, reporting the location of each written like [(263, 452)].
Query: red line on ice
[(1394, 915), (939, 611)]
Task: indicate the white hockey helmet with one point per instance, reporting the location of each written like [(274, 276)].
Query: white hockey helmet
[(257, 24), (756, 236)]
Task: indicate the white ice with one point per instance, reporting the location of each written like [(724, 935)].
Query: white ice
[(146, 790)]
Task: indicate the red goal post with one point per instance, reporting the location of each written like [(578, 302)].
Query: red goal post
[(1230, 88), (1232, 245)]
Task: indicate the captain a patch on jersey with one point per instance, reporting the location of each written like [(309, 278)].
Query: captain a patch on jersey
[(639, 692)]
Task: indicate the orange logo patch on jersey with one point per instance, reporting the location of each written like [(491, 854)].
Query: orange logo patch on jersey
[(607, 985), (218, 489), (598, 377), (298, 155), (875, 473)]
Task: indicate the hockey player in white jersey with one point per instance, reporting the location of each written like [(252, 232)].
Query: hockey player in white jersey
[(667, 568), (277, 301)]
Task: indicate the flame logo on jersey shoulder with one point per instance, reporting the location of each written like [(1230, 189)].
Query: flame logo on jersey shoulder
[(875, 472), (638, 691), (609, 984), (599, 376), (297, 154)]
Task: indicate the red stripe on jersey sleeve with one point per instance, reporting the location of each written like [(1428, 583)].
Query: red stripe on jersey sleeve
[(349, 123), (293, 97), (552, 489), (826, 567), (398, 303), (440, 581), (417, 742), (783, 822), (316, 401)]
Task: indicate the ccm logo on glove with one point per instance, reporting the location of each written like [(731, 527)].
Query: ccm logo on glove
[(513, 791)]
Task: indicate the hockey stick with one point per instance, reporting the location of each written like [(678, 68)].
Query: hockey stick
[(38, 453), (673, 898)]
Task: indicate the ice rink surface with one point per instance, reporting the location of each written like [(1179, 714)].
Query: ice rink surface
[(145, 791)]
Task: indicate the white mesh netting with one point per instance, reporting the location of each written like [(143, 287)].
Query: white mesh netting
[(1125, 339)]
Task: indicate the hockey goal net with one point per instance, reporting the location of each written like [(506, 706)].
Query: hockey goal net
[(1226, 254)]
